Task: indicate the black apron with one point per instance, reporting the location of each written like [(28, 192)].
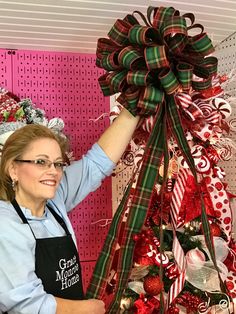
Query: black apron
[(57, 262)]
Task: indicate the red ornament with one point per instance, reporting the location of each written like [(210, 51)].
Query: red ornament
[(152, 285), (215, 229)]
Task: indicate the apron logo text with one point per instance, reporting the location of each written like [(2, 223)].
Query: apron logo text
[(68, 273)]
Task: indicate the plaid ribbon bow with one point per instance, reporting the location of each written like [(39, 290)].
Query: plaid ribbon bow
[(147, 65)]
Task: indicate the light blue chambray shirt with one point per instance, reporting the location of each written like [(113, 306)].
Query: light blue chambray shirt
[(21, 291)]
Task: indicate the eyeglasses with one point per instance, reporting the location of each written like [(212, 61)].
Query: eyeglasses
[(45, 163)]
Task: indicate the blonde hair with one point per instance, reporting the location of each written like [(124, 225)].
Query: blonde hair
[(16, 145)]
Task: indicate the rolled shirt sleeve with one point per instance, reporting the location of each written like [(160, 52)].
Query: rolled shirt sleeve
[(84, 176)]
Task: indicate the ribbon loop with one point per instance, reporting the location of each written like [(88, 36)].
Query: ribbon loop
[(139, 77), (161, 14), (168, 81), (156, 57), (110, 62), (185, 74), (174, 25), (119, 32), (143, 35), (200, 44), (130, 58)]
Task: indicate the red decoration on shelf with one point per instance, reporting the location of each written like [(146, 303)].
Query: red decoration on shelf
[(212, 92)]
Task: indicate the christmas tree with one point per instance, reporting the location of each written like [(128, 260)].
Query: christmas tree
[(170, 247)]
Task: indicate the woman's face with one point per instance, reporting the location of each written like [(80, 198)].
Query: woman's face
[(37, 183)]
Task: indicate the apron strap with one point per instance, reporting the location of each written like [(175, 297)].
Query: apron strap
[(59, 219), (22, 216), (19, 211), (25, 221)]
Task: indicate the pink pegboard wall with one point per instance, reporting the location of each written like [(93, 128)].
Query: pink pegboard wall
[(6, 69), (65, 85)]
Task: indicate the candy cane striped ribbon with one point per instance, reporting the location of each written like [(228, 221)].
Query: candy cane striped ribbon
[(184, 100), (178, 194), (178, 284)]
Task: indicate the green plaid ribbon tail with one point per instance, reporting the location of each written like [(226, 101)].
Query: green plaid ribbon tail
[(161, 231), (139, 207), (178, 132), (98, 282)]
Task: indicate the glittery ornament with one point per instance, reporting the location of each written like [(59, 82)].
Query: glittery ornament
[(152, 285)]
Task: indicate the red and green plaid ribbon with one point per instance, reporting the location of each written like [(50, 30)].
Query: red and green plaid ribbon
[(147, 65)]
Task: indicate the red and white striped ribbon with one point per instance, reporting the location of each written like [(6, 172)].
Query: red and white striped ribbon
[(180, 260), (205, 107), (177, 196), (176, 287), (148, 124), (186, 103), (213, 117), (184, 100), (178, 254)]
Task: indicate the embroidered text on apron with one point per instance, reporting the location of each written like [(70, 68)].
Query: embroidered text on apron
[(57, 261)]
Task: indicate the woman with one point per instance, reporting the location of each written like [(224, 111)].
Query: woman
[(39, 263)]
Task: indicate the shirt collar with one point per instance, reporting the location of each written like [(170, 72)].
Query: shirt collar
[(27, 212)]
